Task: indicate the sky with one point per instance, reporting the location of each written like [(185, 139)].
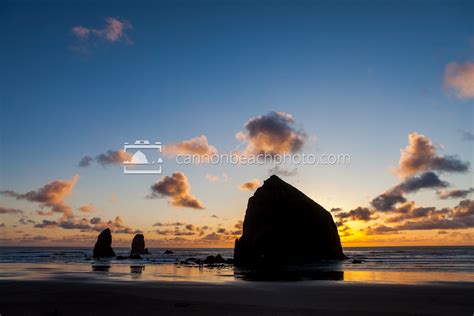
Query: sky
[(388, 83)]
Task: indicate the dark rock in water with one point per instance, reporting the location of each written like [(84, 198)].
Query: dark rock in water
[(214, 260), (134, 257), (138, 245), (284, 226), (168, 252), (356, 261), (103, 246), (192, 261)]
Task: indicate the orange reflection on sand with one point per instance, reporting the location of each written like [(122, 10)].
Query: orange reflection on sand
[(406, 277)]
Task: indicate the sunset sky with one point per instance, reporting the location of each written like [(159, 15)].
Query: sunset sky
[(389, 84)]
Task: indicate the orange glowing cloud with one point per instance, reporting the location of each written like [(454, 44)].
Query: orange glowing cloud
[(420, 155), (251, 185), (87, 208), (51, 195), (460, 79), (194, 146)]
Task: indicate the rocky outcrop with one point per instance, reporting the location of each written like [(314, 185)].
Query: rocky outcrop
[(103, 246), (138, 245), (284, 226), (214, 260)]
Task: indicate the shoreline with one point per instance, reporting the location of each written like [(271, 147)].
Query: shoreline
[(80, 297), (140, 271)]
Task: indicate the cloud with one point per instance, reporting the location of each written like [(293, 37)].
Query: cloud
[(211, 237), (7, 210), (159, 224), (95, 224), (420, 155), (239, 225), (250, 185), (467, 136), (111, 157), (395, 195), (87, 208), (357, 214), (273, 133), (86, 161), (212, 178), (425, 180), (283, 172), (46, 224), (194, 146), (215, 178), (182, 229), (459, 217), (387, 201), (81, 32), (459, 78), (114, 31), (454, 194), (81, 224), (44, 213), (177, 189), (95, 220), (51, 195), (409, 210), (26, 221), (380, 230)]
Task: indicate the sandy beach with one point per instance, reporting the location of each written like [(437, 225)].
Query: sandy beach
[(70, 297)]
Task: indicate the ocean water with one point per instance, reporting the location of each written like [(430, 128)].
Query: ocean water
[(379, 264)]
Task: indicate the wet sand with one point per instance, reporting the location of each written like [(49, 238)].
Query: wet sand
[(75, 297)]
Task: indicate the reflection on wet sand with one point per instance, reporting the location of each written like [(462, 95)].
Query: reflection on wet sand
[(101, 268), (179, 273), (287, 274), (137, 269)]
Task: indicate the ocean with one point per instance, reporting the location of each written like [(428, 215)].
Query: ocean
[(379, 264)]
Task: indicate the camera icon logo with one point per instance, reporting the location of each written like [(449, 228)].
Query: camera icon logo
[(145, 158)]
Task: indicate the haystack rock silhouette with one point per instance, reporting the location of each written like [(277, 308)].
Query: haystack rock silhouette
[(103, 246), (284, 226), (138, 245)]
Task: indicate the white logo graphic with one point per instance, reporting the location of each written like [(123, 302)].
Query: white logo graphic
[(139, 163)]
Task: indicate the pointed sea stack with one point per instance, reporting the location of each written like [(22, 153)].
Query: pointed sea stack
[(138, 245), (103, 246), (284, 226)]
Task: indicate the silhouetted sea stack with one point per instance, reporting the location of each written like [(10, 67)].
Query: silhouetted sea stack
[(103, 246), (284, 226), (138, 245)]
